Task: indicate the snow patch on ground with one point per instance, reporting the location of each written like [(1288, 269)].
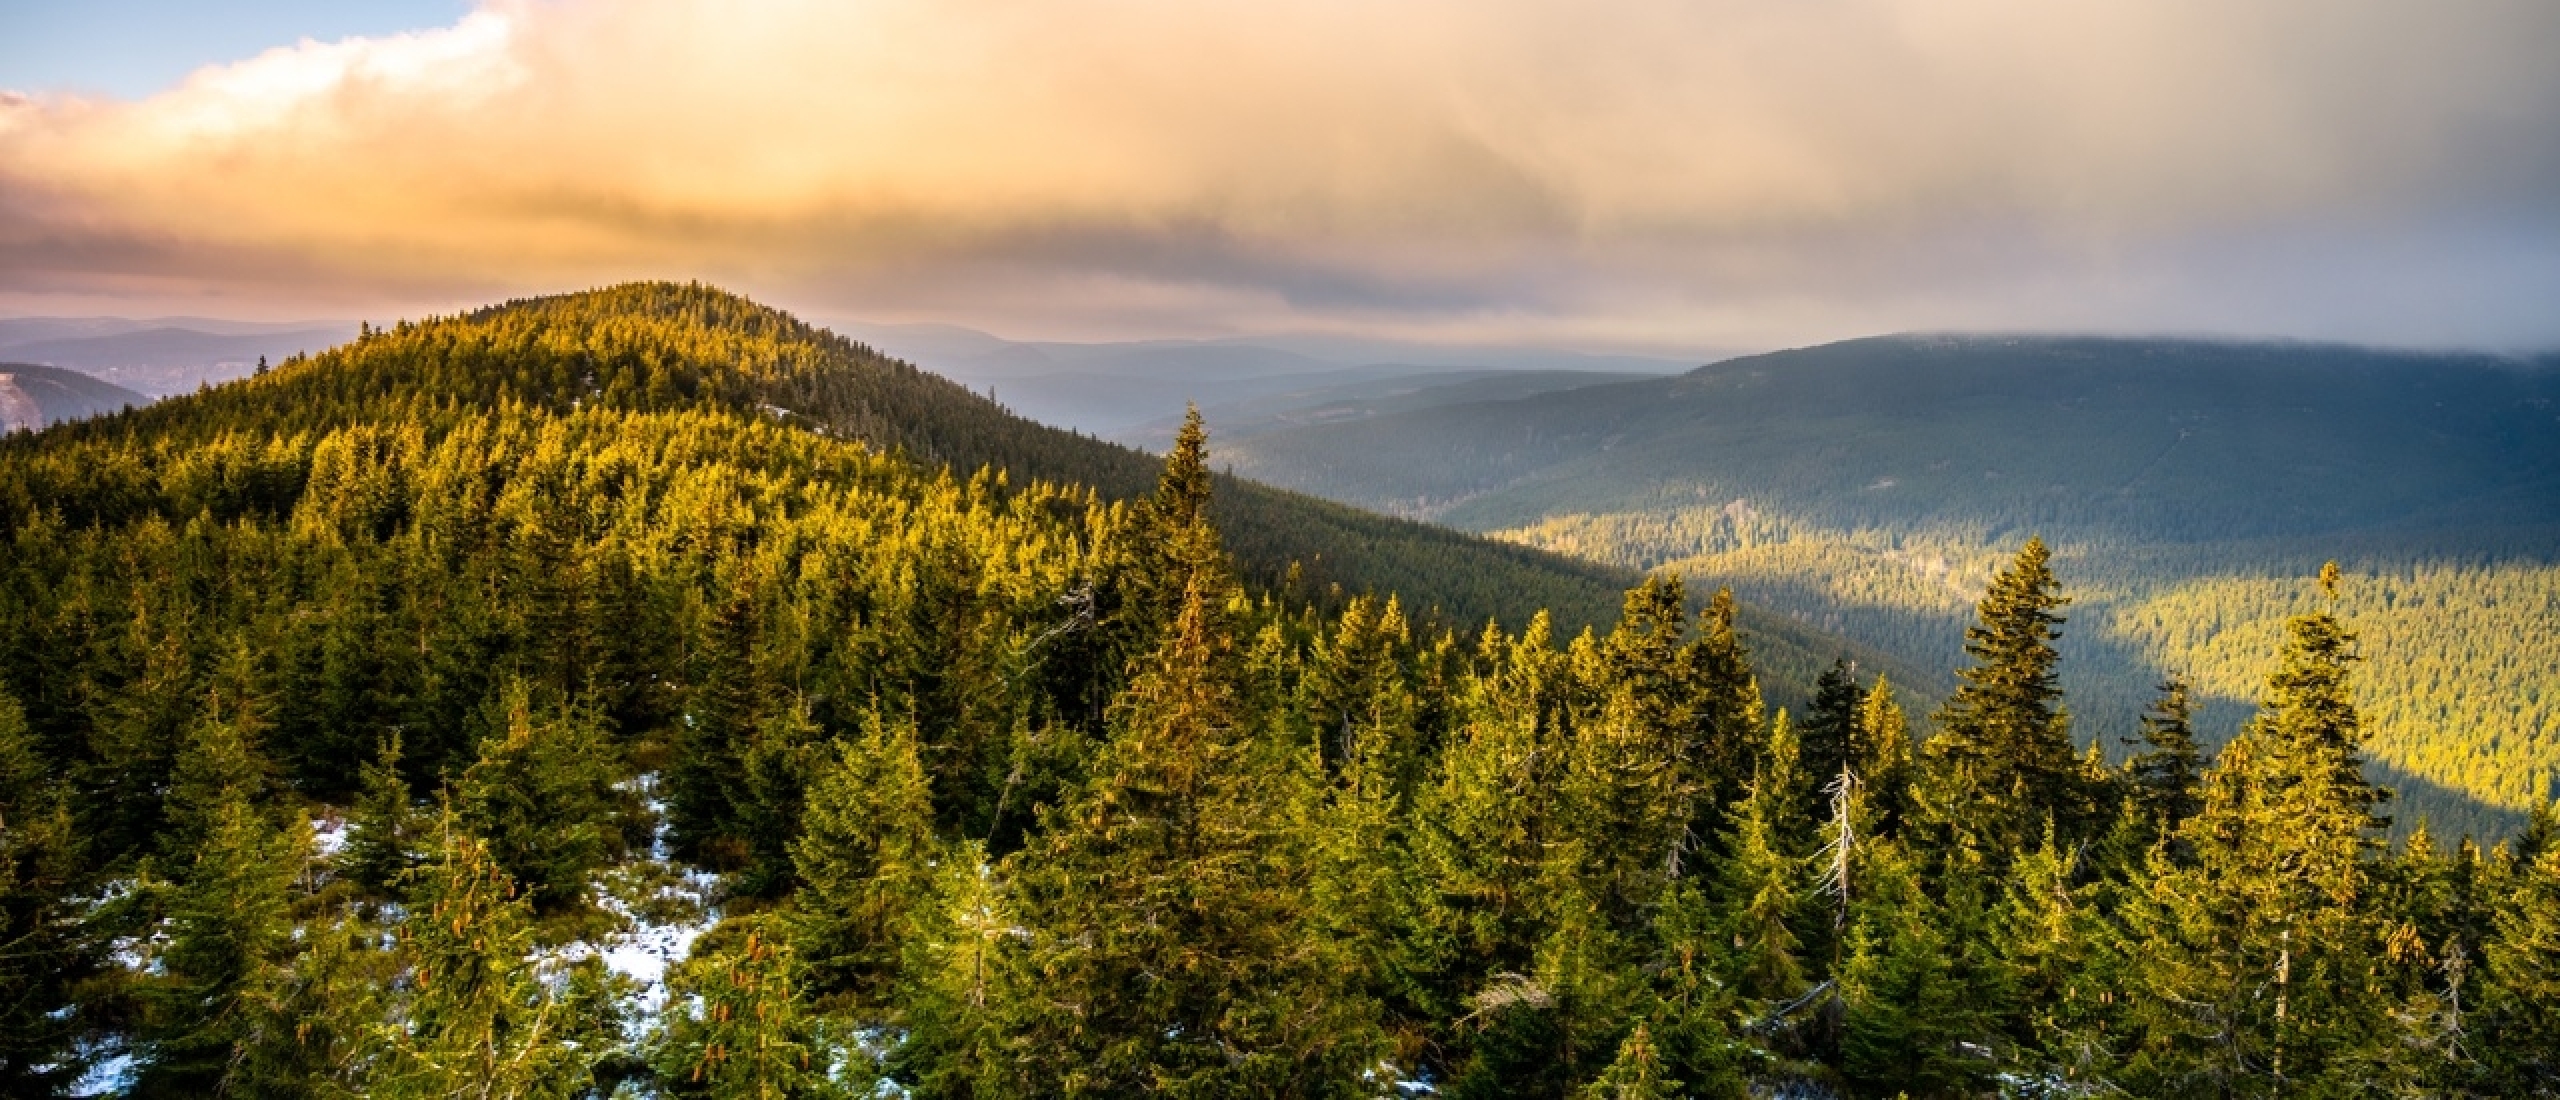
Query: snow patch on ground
[(661, 907), (658, 927), (108, 1076), (329, 836)]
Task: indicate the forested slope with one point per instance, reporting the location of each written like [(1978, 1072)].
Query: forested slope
[(430, 735), (1868, 487)]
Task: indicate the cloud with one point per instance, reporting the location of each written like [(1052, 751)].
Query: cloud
[(1648, 172)]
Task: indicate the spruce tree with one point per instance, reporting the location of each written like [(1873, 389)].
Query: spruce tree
[(229, 928), (706, 768), (1552, 1031), (1177, 541), (1913, 1023), (2002, 761), (2256, 966), (1181, 503), (2518, 1025), (1636, 1074), (737, 1028), (1169, 936), (1889, 771), (1726, 717), (49, 948), (1485, 829), (864, 859), (1623, 795), (1691, 1010), (2315, 740), (787, 749), (1355, 690), (960, 961), (219, 761), (2050, 939), (1831, 733), (1764, 878), (1364, 889), (2541, 831), (1646, 656), (542, 798), (137, 724), (382, 826), (2166, 772), (474, 1017), (308, 1029), (2425, 988)]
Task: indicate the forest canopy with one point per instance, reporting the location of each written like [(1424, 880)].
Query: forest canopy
[(635, 694)]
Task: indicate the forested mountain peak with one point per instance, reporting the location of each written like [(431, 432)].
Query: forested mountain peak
[(638, 346), (665, 346)]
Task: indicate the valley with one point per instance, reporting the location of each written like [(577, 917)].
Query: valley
[(1868, 488)]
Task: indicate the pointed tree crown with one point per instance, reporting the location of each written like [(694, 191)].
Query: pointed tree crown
[(1182, 491)]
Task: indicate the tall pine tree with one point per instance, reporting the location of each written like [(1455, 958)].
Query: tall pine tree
[(49, 949), (228, 927), (1832, 734), (2002, 762), (1170, 943), (2166, 774), (865, 860), (2257, 965)]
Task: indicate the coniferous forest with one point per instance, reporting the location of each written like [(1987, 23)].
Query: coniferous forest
[(639, 693)]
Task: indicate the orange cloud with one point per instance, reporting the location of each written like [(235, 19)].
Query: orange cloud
[(1651, 171)]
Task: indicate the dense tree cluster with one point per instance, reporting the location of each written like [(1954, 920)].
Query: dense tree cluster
[(1007, 788), (2463, 704)]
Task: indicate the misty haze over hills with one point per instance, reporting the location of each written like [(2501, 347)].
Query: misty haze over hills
[(161, 356), (1133, 390)]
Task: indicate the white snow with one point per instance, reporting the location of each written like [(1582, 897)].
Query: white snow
[(329, 835), (109, 1076), (663, 908)]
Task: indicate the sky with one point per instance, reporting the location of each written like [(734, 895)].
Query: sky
[(1646, 175)]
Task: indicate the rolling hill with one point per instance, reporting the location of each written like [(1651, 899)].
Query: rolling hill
[(32, 397), (1131, 390), (1868, 487), (1325, 399)]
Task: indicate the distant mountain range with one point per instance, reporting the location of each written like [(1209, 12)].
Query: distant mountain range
[(1135, 391), (163, 356)]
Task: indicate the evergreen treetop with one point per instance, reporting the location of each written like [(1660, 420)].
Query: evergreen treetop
[(2002, 761)]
